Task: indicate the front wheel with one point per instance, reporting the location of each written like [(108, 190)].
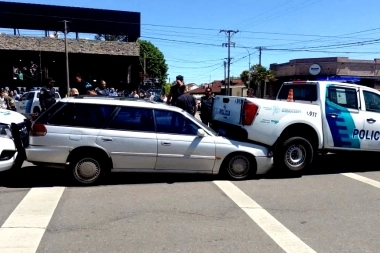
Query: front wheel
[(239, 166), (295, 154)]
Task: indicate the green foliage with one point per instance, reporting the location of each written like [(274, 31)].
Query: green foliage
[(155, 61), (166, 88), (256, 76)]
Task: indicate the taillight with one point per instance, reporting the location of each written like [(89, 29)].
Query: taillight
[(38, 129), (250, 111)]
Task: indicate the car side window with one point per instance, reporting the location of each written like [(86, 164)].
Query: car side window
[(30, 95), (133, 119), (372, 101), (345, 97), (174, 123), (82, 115), (24, 97)]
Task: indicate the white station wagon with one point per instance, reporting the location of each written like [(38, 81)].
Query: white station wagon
[(91, 135)]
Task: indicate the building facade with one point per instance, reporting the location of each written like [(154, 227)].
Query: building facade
[(363, 72)]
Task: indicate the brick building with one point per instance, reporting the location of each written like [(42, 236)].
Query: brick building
[(363, 72), (117, 62)]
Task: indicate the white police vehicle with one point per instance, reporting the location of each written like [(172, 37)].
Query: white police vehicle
[(14, 137), (30, 104), (306, 117)]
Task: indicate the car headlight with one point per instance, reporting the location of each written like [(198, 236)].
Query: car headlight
[(5, 131)]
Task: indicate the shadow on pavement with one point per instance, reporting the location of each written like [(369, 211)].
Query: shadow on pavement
[(35, 176), (335, 164)]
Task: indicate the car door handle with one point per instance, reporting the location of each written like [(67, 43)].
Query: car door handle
[(333, 115), (371, 120), (165, 143), (106, 139)]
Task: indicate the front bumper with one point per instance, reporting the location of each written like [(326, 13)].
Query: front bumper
[(264, 164)]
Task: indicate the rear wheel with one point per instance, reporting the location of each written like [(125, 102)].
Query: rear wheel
[(87, 170), (295, 154), (239, 166)]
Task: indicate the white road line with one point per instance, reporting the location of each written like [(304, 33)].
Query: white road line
[(23, 230), (278, 232), (362, 179)]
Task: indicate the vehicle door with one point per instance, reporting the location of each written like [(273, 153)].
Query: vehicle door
[(30, 102), (342, 117), (179, 147), (370, 134), (22, 103), (131, 139)]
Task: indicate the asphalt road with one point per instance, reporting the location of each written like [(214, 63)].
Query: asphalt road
[(334, 207)]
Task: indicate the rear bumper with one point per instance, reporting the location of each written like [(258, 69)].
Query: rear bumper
[(230, 131), (47, 154)]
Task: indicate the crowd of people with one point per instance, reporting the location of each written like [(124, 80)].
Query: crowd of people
[(8, 99)]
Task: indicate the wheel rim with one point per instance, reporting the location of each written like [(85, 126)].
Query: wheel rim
[(87, 170), (238, 166), (295, 156)]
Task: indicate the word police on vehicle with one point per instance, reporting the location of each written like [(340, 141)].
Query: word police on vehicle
[(366, 134)]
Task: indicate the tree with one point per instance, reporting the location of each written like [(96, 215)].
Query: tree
[(256, 76), (156, 66), (166, 88)]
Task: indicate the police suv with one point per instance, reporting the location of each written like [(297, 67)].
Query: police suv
[(306, 117), (30, 104), (14, 137)]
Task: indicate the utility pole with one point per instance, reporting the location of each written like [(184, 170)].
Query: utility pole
[(260, 48), (225, 84), (229, 34), (67, 60)]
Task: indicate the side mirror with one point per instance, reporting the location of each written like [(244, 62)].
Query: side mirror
[(201, 133)]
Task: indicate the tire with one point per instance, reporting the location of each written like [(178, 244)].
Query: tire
[(239, 166), (295, 154), (87, 170)]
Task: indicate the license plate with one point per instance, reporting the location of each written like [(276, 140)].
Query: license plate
[(224, 112)]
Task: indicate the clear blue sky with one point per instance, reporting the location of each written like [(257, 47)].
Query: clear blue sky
[(325, 28)]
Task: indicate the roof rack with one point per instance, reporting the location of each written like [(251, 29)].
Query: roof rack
[(113, 98)]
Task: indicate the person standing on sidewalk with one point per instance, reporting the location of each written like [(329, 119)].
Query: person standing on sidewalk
[(206, 106)]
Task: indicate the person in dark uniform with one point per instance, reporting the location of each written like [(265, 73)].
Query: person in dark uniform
[(175, 91), (81, 85), (206, 106), (47, 95), (186, 102)]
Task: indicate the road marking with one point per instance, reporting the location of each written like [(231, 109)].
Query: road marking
[(23, 230), (288, 241), (362, 179)]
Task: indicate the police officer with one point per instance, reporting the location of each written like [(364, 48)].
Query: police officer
[(47, 95), (206, 106)]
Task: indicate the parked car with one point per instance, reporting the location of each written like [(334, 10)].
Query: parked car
[(307, 116), (30, 104), (14, 137), (90, 136)]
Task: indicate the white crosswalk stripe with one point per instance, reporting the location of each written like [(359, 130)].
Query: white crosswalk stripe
[(24, 228)]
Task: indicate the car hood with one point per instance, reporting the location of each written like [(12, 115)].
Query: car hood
[(8, 117), (258, 150)]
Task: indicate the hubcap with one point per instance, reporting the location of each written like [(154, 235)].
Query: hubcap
[(87, 170), (238, 166), (295, 156)]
